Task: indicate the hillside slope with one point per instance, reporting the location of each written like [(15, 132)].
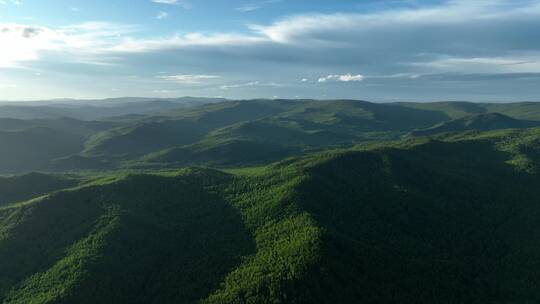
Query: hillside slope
[(293, 125), (430, 221), (24, 187), (191, 135), (446, 220), (481, 122), (455, 109), (137, 239), (97, 109), (30, 145), (190, 126), (74, 126), (34, 148)]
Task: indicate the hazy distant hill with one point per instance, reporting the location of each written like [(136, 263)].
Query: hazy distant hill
[(32, 149), (63, 124), (480, 122), (97, 109), (15, 189), (281, 125), (28, 145), (227, 153), (518, 110), (146, 133), (288, 127)]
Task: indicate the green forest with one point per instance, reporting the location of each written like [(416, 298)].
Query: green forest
[(214, 201)]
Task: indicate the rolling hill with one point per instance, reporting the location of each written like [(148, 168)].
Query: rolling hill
[(34, 148), (24, 187), (152, 135), (453, 109), (293, 125), (29, 145), (480, 122), (222, 154), (63, 124), (189, 137), (448, 219), (97, 109), (191, 131)]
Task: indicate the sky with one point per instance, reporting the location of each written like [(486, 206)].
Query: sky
[(377, 50)]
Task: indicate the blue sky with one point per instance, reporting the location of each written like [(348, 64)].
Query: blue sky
[(483, 50)]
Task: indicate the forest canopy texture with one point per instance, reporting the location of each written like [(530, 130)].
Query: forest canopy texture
[(271, 201)]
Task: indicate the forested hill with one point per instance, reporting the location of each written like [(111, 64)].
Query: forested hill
[(479, 122), (448, 219), (177, 133)]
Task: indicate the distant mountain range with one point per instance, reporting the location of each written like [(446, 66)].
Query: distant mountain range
[(162, 133), (97, 109), (479, 122)]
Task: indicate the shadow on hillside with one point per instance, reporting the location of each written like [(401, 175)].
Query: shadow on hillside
[(24, 187), (175, 239), (427, 224), (36, 236)]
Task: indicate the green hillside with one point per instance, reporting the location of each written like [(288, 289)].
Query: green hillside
[(135, 239), (35, 148), (228, 153), (24, 187), (98, 109), (144, 137), (452, 219), (314, 202), (480, 122), (518, 110), (194, 133), (29, 145), (296, 124), (152, 135), (70, 125)]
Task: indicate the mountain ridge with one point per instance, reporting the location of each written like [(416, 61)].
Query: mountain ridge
[(349, 225)]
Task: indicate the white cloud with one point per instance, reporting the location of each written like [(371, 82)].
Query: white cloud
[(161, 91), (402, 43), (182, 3), (15, 2), (351, 33), (24, 43), (27, 42), (360, 35), (130, 45), (252, 84), (523, 63), (397, 76), (188, 78), (256, 5), (325, 27), (248, 8), (342, 78), (162, 15), (240, 85), (349, 77)]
